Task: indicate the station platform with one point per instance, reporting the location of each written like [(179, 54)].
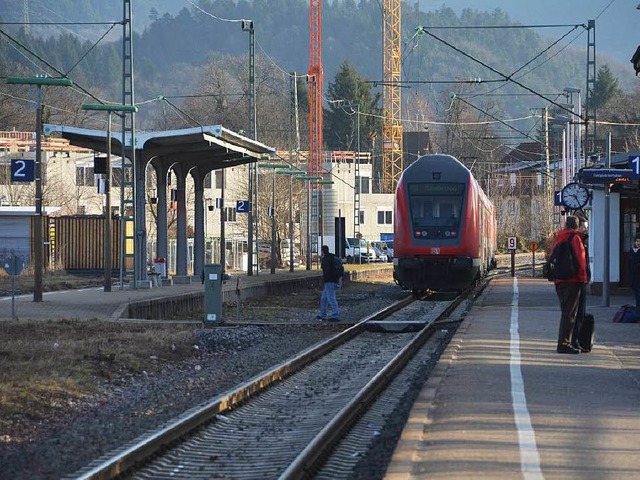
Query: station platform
[(503, 404), (95, 303)]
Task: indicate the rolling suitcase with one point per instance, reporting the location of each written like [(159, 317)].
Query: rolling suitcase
[(587, 332)]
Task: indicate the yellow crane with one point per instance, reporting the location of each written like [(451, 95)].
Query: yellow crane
[(391, 99)]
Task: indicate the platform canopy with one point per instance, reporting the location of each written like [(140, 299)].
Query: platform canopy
[(212, 146)]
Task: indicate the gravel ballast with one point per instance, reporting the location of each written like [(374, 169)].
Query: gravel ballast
[(127, 407)]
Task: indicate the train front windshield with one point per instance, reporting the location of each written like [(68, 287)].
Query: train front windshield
[(436, 209)]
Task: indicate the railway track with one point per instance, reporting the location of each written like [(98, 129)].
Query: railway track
[(290, 421)]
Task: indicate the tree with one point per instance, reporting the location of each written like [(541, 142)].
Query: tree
[(222, 97), (605, 87), (623, 109), (340, 124)]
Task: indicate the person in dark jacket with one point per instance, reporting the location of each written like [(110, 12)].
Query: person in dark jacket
[(634, 269), (331, 279), (569, 289)]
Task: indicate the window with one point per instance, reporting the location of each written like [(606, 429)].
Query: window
[(385, 217), (207, 180), (116, 175), (218, 174), (512, 179), (84, 177), (5, 174), (539, 179), (365, 185), (230, 214), (361, 217)]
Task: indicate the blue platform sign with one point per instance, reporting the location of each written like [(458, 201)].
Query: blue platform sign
[(634, 164), (607, 175), (243, 206), (23, 170), (557, 198)]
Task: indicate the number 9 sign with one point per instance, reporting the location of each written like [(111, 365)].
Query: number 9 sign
[(511, 243)]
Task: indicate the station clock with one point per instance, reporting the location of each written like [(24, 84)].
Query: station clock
[(574, 195)]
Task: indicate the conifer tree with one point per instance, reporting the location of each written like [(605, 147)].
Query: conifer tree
[(606, 87), (347, 94)]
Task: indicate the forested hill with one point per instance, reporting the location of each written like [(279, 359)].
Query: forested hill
[(169, 50)]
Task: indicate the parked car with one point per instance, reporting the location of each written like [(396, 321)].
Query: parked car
[(380, 255), (359, 248), (386, 248), (389, 250)]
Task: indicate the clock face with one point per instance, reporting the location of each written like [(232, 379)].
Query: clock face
[(575, 196)]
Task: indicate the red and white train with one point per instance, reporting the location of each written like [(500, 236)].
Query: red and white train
[(444, 227)]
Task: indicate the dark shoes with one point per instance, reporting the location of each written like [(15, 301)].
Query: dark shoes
[(579, 348), (334, 319), (321, 318), (567, 349)]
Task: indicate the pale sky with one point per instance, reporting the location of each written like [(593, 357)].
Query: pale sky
[(616, 20)]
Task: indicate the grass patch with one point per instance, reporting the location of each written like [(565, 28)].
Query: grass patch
[(48, 365), (52, 280)]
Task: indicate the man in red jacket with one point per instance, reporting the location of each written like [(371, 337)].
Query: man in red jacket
[(569, 289)]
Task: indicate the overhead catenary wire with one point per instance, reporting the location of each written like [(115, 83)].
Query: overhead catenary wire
[(89, 50), (75, 86)]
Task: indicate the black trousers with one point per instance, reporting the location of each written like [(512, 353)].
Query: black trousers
[(582, 309), (569, 296)]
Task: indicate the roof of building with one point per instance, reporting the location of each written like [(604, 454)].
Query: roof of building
[(213, 145), (25, 211)]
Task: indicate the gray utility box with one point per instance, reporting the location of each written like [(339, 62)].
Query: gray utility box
[(213, 293)]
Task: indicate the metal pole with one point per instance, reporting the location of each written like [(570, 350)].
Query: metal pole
[(223, 218), (547, 157), (308, 266), (358, 186), (290, 223), (37, 229), (107, 213), (606, 233), (579, 133), (250, 222), (320, 193), (273, 222), (252, 215)]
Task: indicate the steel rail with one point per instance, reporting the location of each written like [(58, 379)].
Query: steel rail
[(307, 462), (123, 460)]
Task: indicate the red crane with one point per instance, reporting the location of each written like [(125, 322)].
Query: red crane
[(315, 78)]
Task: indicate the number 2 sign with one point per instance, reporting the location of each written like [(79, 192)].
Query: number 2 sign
[(22, 170)]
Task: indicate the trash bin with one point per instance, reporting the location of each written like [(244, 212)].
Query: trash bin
[(160, 266)]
